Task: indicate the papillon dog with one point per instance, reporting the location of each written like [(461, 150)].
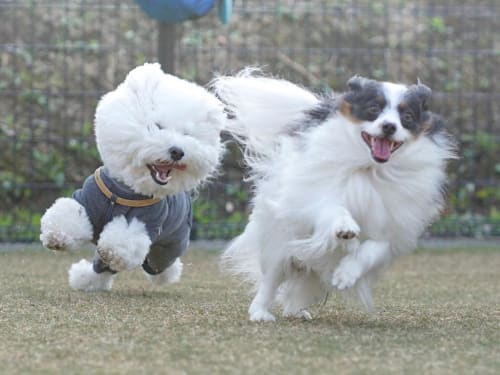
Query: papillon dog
[(343, 184)]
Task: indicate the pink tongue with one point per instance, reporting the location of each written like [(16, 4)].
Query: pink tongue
[(162, 172), (162, 175), (381, 148)]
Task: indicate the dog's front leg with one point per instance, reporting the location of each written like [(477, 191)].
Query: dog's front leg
[(344, 226), (123, 245), (369, 256), (65, 226)]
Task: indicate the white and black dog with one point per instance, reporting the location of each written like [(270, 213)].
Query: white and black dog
[(158, 137), (343, 184)]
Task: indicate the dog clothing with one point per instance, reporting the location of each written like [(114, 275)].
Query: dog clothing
[(168, 221)]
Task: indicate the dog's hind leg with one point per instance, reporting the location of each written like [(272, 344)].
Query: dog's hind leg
[(89, 277), (299, 293), (263, 300), (65, 226), (170, 275), (163, 265)]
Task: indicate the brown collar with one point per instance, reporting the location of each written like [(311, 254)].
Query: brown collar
[(121, 201)]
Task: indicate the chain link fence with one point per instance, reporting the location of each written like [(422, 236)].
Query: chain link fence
[(58, 57)]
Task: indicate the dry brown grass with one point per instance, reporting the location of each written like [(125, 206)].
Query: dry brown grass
[(438, 312)]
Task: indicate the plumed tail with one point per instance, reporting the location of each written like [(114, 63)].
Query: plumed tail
[(241, 257), (263, 109)]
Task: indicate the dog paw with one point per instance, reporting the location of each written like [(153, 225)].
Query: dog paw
[(171, 275), (302, 314), (82, 277), (55, 241), (345, 228), (347, 273), (261, 316), (109, 256)]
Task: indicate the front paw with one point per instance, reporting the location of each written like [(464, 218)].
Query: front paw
[(345, 228), (55, 240), (347, 273), (65, 226), (123, 246), (112, 258)]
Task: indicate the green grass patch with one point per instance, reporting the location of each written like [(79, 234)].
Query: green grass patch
[(438, 312)]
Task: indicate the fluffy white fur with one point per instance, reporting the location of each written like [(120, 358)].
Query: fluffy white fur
[(325, 215), (136, 125), (65, 225), (147, 114), (83, 277), (123, 252), (171, 275)]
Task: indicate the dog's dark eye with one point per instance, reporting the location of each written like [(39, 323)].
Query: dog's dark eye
[(407, 119), (158, 125), (372, 112)]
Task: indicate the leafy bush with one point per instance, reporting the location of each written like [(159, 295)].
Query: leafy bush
[(58, 58)]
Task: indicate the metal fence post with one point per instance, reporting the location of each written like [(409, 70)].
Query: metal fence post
[(167, 43)]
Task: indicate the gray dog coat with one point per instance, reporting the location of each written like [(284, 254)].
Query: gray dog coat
[(168, 221)]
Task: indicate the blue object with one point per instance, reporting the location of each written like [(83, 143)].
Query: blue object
[(225, 10), (174, 11)]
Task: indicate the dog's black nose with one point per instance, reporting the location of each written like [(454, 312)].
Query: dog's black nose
[(176, 153), (388, 129)]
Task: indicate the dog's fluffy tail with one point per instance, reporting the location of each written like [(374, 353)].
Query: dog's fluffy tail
[(263, 112), (263, 109), (241, 256)]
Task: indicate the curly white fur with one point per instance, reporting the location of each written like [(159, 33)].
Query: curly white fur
[(136, 126), (82, 277), (325, 215)]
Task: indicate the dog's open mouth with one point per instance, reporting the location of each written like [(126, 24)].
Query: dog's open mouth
[(381, 148), (160, 170)]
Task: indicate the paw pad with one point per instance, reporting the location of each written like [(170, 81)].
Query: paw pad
[(345, 228), (54, 241), (346, 235)]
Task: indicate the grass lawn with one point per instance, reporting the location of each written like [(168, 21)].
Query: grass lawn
[(438, 312)]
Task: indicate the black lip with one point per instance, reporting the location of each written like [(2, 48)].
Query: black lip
[(378, 160)]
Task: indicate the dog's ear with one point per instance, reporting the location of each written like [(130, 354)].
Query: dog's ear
[(355, 83), (423, 93)]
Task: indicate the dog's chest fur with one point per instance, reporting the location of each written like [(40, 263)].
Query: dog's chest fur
[(393, 203)]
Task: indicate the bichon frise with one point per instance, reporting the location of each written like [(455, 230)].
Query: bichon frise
[(158, 137), (343, 184)]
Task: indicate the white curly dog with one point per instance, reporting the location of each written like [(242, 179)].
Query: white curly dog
[(158, 137)]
